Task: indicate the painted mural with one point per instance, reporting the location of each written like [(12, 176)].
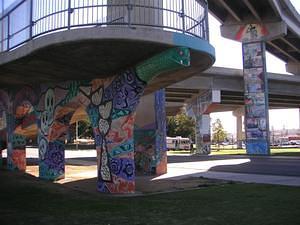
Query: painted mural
[(110, 105), (150, 138), (203, 137), (17, 115), (199, 109), (251, 32), (4, 101), (256, 101)]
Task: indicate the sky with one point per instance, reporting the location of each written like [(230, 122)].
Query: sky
[(287, 118)]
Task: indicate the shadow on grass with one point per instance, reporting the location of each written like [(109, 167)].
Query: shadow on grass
[(27, 200)]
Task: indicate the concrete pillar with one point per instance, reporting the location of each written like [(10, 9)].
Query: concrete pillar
[(149, 14), (15, 109), (3, 134), (150, 135), (203, 138), (51, 137), (16, 146), (239, 113), (253, 37), (111, 108), (200, 109), (256, 98), (239, 131)]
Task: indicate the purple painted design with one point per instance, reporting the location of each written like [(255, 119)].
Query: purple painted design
[(123, 167), (125, 91), (101, 187), (55, 157)]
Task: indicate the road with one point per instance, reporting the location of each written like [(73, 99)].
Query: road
[(267, 165)]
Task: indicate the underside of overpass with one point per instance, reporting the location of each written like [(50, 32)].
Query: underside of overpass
[(287, 47), (284, 90)]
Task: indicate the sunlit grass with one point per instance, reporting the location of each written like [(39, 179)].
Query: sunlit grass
[(228, 150)]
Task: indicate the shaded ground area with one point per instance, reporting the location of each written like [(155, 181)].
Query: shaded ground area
[(28, 200), (83, 178)]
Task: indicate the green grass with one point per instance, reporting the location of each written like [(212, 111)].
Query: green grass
[(230, 151), (275, 152), (26, 200)]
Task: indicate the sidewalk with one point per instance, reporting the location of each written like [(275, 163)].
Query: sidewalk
[(179, 171)]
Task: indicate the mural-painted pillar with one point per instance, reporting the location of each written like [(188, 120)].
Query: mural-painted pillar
[(256, 98), (4, 103), (3, 134), (253, 37), (200, 109), (203, 139), (150, 135), (18, 115), (111, 109), (16, 146), (51, 135), (238, 114)]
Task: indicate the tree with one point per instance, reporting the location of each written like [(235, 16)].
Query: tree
[(219, 134), (181, 125)]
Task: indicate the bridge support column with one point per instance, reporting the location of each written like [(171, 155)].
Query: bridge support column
[(112, 112), (3, 135), (16, 146), (52, 129), (203, 139), (253, 37), (200, 109), (150, 135), (4, 102), (239, 113), (256, 98)]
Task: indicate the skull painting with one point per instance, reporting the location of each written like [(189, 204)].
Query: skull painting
[(42, 148), (50, 105), (45, 122)]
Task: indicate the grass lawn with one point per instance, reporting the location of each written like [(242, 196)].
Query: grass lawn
[(275, 152), (27, 200), (230, 151)]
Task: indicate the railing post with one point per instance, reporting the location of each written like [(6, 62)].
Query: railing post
[(8, 30), (183, 15), (129, 8), (31, 19), (206, 22), (69, 14)]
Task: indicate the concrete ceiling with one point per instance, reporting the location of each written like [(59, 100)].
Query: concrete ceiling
[(286, 48)]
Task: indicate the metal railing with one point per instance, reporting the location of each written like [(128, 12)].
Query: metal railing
[(28, 19)]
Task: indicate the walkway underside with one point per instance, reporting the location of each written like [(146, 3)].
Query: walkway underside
[(94, 53)]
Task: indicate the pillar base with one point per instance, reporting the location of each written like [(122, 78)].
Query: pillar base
[(52, 163)]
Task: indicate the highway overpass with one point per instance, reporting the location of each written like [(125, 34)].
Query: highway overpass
[(284, 89)]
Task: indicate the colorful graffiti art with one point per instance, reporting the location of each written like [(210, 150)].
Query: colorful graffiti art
[(203, 139), (150, 135), (161, 133), (251, 32), (256, 101), (110, 105), (55, 109)]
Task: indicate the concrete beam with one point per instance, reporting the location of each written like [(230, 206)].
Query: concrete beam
[(266, 31), (293, 67)]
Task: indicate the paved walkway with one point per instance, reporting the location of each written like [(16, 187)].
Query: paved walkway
[(178, 171), (231, 168)]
